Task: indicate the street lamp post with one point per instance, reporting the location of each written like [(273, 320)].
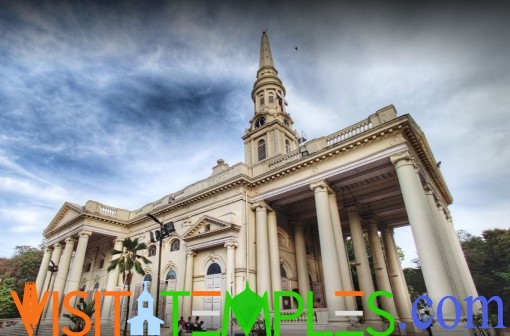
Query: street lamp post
[(165, 231), (52, 269)]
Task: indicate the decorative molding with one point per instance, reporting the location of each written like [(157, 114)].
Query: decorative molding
[(402, 159), (215, 227), (231, 244), (85, 233), (323, 184), (70, 240), (261, 204)]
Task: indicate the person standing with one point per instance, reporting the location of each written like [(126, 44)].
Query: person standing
[(427, 318)]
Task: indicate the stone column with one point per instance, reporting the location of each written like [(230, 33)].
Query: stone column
[(263, 270), (301, 264), (79, 259), (111, 283), (469, 285), (332, 279), (361, 259), (381, 273), (55, 258), (428, 248), (49, 282), (43, 269), (447, 251), (343, 262), (188, 282), (400, 291), (63, 270), (231, 245), (274, 252)]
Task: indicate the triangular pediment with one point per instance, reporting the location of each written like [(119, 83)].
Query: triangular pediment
[(67, 213), (208, 226)]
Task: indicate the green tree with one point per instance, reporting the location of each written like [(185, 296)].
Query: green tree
[(23, 266), (128, 260), (7, 306), (488, 258), (78, 321), (414, 280)]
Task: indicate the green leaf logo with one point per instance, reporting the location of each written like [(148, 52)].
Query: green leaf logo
[(246, 307)]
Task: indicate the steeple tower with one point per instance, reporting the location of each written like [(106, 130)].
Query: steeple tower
[(270, 133)]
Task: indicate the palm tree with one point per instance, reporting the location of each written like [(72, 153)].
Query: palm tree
[(129, 259)]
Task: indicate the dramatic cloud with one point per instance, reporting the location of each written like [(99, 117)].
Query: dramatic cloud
[(108, 101)]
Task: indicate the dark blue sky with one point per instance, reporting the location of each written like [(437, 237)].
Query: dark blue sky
[(110, 100)]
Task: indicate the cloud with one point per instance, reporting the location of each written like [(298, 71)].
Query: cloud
[(108, 101)]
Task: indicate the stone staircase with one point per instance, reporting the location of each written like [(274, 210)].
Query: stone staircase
[(46, 329)]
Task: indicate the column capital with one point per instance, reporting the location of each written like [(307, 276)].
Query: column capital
[(322, 184), (262, 205), (57, 245), (372, 221), (85, 233), (297, 223), (351, 207), (190, 254), (230, 244), (48, 249), (429, 190), (402, 159), (387, 230), (70, 240)]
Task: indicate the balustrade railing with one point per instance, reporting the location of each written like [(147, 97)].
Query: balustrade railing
[(349, 132), (289, 157), (108, 211)]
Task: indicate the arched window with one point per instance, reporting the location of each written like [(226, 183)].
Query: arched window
[(283, 273), (100, 264), (152, 250), (147, 277), (271, 98), (214, 268), (287, 146), (175, 245), (261, 99), (262, 149), (96, 286), (88, 267), (171, 275)]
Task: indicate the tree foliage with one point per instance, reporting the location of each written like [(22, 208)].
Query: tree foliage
[(488, 258), (415, 281), (128, 260), (78, 321), (7, 306), (23, 266)]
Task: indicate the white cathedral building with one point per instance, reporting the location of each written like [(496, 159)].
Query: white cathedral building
[(280, 220)]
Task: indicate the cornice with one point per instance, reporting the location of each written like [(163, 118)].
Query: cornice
[(420, 146), (329, 152)]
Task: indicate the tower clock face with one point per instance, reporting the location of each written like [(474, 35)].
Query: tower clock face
[(260, 121)]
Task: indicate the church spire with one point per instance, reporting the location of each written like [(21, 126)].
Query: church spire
[(267, 73), (266, 58), (271, 130)]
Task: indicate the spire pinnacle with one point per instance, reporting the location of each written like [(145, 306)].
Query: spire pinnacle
[(266, 58)]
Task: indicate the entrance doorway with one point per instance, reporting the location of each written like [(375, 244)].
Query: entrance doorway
[(212, 303), (286, 300), (171, 279)]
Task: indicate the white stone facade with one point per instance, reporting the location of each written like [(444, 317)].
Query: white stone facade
[(288, 208)]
